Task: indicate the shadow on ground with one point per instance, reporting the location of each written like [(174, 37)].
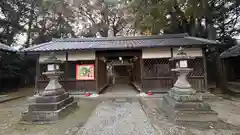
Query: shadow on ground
[(229, 123), (10, 115)]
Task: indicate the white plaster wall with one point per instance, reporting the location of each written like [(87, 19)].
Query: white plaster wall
[(190, 51), (81, 55), (72, 56), (149, 53)]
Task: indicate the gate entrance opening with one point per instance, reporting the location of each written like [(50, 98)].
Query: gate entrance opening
[(122, 73)]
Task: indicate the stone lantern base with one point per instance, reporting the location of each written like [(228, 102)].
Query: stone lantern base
[(187, 107), (54, 102), (182, 105), (49, 108)]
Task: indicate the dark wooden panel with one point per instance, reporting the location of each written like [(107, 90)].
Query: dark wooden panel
[(136, 71), (73, 85), (101, 75), (157, 84), (42, 85), (157, 74), (156, 68), (86, 85), (197, 65), (70, 85), (166, 83), (197, 84)]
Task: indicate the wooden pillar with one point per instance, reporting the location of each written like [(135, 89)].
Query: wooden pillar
[(141, 71), (224, 69), (37, 74), (105, 70), (172, 66), (96, 74), (221, 78), (66, 71), (205, 69)]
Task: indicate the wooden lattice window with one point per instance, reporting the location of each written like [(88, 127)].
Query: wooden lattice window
[(197, 65), (156, 67)]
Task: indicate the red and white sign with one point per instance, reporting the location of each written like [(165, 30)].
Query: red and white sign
[(85, 72)]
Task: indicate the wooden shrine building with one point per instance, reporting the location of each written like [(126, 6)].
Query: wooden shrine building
[(92, 64), (5, 48), (230, 59)]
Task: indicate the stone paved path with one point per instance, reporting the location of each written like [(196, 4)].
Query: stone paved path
[(118, 118), (120, 89)]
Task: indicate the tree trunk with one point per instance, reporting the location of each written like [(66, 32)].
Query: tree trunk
[(220, 76), (30, 24)]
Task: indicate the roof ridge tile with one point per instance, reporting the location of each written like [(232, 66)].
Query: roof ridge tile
[(121, 38), (6, 48), (37, 46)]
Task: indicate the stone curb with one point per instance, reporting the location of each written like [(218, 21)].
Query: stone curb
[(10, 98), (144, 106)]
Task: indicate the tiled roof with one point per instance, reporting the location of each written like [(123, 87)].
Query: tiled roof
[(6, 48), (114, 43), (231, 52)]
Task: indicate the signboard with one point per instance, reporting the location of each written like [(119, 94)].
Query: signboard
[(85, 72), (50, 67), (183, 64)]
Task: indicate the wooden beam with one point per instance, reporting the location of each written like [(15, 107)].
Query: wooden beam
[(141, 71), (172, 66), (37, 74), (66, 70), (157, 78), (115, 53), (205, 69), (96, 74)]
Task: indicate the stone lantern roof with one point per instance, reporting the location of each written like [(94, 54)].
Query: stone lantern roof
[(52, 59), (181, 55)]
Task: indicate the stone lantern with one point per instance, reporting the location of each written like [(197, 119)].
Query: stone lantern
[(182, 86), (54, 102), (182, 104), (53, 72)]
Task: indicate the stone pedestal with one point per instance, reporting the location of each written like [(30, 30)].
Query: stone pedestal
[(182, 104), (52, 104), (49, 109)]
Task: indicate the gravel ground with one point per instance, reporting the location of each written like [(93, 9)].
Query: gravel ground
[(228, 110), (118, 118), (10, 115), (121, 117), (228, 114)]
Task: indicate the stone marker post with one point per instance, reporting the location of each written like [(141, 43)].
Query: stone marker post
[(54, 102), (182, 104)]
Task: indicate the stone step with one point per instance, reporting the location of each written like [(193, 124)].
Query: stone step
[(185, 113), (137, 86), (41, 117), (199, 116), (235, 90), (50, 106), (185, 106), (234, 87), (51, 99)]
